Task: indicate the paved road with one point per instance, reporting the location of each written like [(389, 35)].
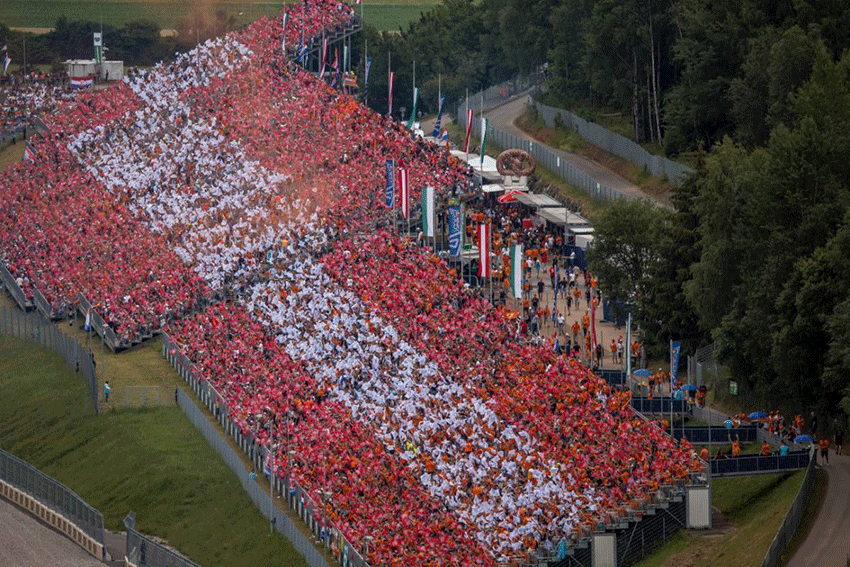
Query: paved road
[(503, 118), (828, 542), (26, 542)]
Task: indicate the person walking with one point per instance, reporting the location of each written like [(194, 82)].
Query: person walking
[(106, 390), (839, 439), (813, 424), (824, 450)]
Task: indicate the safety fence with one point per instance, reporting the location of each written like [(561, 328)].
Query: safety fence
[(658, 166), (613, 377), (758, 464), (793, 519), (660, 405), (98, 324), (31, 326), (13, 288), (701, 434), (324, 533), (143, 551), (497, 95), (52, 493)]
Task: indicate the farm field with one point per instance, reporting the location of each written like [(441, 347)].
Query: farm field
[(42, 14)]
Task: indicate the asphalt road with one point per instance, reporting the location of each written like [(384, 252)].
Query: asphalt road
[(828, 541), (26, 542)]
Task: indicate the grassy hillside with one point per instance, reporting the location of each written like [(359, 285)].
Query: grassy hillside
[(151, 461)]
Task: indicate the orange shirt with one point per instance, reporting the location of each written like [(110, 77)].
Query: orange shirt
[(824, 443)]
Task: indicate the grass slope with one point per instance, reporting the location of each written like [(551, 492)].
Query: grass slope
[(151, 461), (383, 14)]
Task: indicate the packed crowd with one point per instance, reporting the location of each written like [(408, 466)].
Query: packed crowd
[(24, 98), (406, 404)]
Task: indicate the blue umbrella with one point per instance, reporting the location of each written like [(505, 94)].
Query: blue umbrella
[(803, 439), (757, 415), (642, 372), (689, 388)]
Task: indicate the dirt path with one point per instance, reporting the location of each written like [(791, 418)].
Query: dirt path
[(503, 118), (828, 541)]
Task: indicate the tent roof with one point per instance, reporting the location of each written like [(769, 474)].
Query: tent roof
[(537, 200)]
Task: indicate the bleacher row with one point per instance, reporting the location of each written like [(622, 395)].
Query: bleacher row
[(233, 198)]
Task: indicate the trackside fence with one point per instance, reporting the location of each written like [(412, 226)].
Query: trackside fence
[(52, 493), (323, 532), (31, 326), (143, 551), (792, 519)]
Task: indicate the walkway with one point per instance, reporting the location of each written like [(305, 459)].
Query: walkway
[(828, 541)]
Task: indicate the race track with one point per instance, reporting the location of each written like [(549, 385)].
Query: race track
[(26, 542)]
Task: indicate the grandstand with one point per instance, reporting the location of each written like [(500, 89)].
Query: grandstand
[(235, 200)]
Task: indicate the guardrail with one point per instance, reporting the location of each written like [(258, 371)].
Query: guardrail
[(97, 323), (26, 486), (700, 434), (43, 305), (758, 464), (14, 289), (793, 519)]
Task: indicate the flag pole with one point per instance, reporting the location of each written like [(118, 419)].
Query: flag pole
[(466, 103)]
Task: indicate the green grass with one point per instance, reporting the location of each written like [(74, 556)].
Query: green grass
[(384, 15), (755, 506), (151, 461)]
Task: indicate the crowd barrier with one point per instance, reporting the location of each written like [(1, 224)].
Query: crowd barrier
[(52, 502), (757, 464), (14, 289), (613, 377), (701, 434), (793, 519), (31, 326), (98, 324), (144, 552), (323, 531), (660, 406)]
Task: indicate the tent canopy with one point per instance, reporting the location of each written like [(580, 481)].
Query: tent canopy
[(538, 201)]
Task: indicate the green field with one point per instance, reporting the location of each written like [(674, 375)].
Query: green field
[(151, 461), (388, 15)]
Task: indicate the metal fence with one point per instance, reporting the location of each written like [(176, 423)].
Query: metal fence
[(143, 551), (52, 494), (497, 95), (702, 434), (659, 166), (13, 288), (31, 326), (757, 464), (324, 533), (792, 519), (660, 405)]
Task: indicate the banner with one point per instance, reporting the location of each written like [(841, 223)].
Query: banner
[(675, 348), (483, 139), (346, 60), (390, 99), (412, 121), (324, 57), (404, 192), (366, 74), (436, 133), (283, 35), (468, 129), (428, 212), (82, 82), (98, 48), (484, 250), (454, 230), (516, 270), (6, 60), (389, 199)]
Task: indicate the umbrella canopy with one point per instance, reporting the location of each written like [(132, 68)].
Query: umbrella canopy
[(803, 439), (509, 197), (642, 372), (689, 388), (757, 415)]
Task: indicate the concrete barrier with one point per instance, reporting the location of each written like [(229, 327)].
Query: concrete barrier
[(52, 519)]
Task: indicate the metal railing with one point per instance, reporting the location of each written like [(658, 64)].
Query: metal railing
[(660, 405), (758, 464), (701, 434), (323, 531), (31, 326), (100, 326), (497, 95), (52, 494), (658, 166), (143, 551), (793, 519), (14, 289)]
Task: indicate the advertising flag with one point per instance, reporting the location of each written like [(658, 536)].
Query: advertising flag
[(675, 349), (404, 192), (484, 250), (516, 270), (324, 57), (454, 230), (439, 116), (6, 60), (412, 121), (390, 99), (483, 140), (283, 35), (98, 47), (468, 129), (428, 212), (366, 73), (389, 200)]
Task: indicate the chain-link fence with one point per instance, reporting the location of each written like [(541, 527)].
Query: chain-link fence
[(31, 326), (52, 494), (792, 519), (496, 95), (144, 552), (324, 533)]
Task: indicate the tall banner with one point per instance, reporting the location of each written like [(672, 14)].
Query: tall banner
[(324, 57), (468, 129), (389, 196), (404, 192), (483, 250), (436, 133), (346, 59), (454, 230), (412, 121), (483, 139), (98, 48), (675, 348), (428, 212), (390, 99), (366, 74), (283, 35), (516, 270)]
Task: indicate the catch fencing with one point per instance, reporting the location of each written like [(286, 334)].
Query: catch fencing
[(143, 551), (324, 533), (658, 166), (792, 519), (497, 95), (52, 494), (31, 326)]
